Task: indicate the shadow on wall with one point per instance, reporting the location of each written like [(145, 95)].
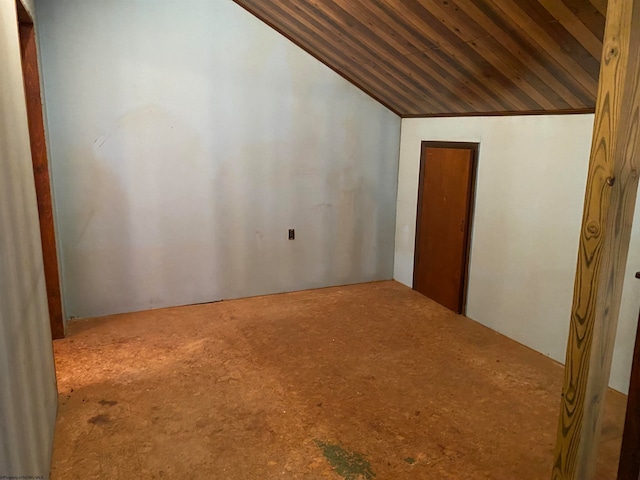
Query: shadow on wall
[(166, 222), (142, 179)]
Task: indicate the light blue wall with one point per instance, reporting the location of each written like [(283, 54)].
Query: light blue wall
[(185, 142)]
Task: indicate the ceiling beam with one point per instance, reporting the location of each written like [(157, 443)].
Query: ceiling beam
[(610, 199)]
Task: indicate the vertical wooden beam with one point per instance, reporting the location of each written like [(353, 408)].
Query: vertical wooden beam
[(604, 244)]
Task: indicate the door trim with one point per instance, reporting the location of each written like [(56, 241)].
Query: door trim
[(474, 147), (629, 463), (38, 147)]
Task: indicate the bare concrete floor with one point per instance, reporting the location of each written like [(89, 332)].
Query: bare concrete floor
[(350, 382)]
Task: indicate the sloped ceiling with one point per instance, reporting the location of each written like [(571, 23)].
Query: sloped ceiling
[(442, 57)]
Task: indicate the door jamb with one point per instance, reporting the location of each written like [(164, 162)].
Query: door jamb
[(38, 148)]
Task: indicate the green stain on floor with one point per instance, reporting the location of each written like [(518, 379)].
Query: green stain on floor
[(349, 465), (410, 460)]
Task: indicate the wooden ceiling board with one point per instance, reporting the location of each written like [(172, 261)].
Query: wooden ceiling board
[(601, 6), (550, 69), (420, 73), (410, 76), (540, 70), (562, 37), (485, 45), (354, 57), (437, 61), (306, 37), (574, 25), (453, 57), (460, 52), (547, 43), (398, 84)]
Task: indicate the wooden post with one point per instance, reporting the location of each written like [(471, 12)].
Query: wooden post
[(610, 199)]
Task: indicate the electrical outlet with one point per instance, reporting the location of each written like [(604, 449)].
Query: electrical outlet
[(292, 234)]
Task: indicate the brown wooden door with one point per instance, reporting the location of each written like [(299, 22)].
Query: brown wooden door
[(443, 223)]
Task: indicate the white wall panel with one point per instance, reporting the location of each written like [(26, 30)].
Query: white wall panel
[(532, 173)]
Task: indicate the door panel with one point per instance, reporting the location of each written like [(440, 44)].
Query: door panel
[(442, 225)]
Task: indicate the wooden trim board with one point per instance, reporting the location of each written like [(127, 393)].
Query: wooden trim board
[(33, 96)]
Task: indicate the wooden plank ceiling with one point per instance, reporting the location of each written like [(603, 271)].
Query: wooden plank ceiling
[(452, 57)]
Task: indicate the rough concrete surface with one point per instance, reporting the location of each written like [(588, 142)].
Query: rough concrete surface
[(357, 382)]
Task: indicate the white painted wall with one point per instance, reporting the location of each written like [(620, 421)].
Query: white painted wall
[(531, 178), (185, 142), (27, 377)]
